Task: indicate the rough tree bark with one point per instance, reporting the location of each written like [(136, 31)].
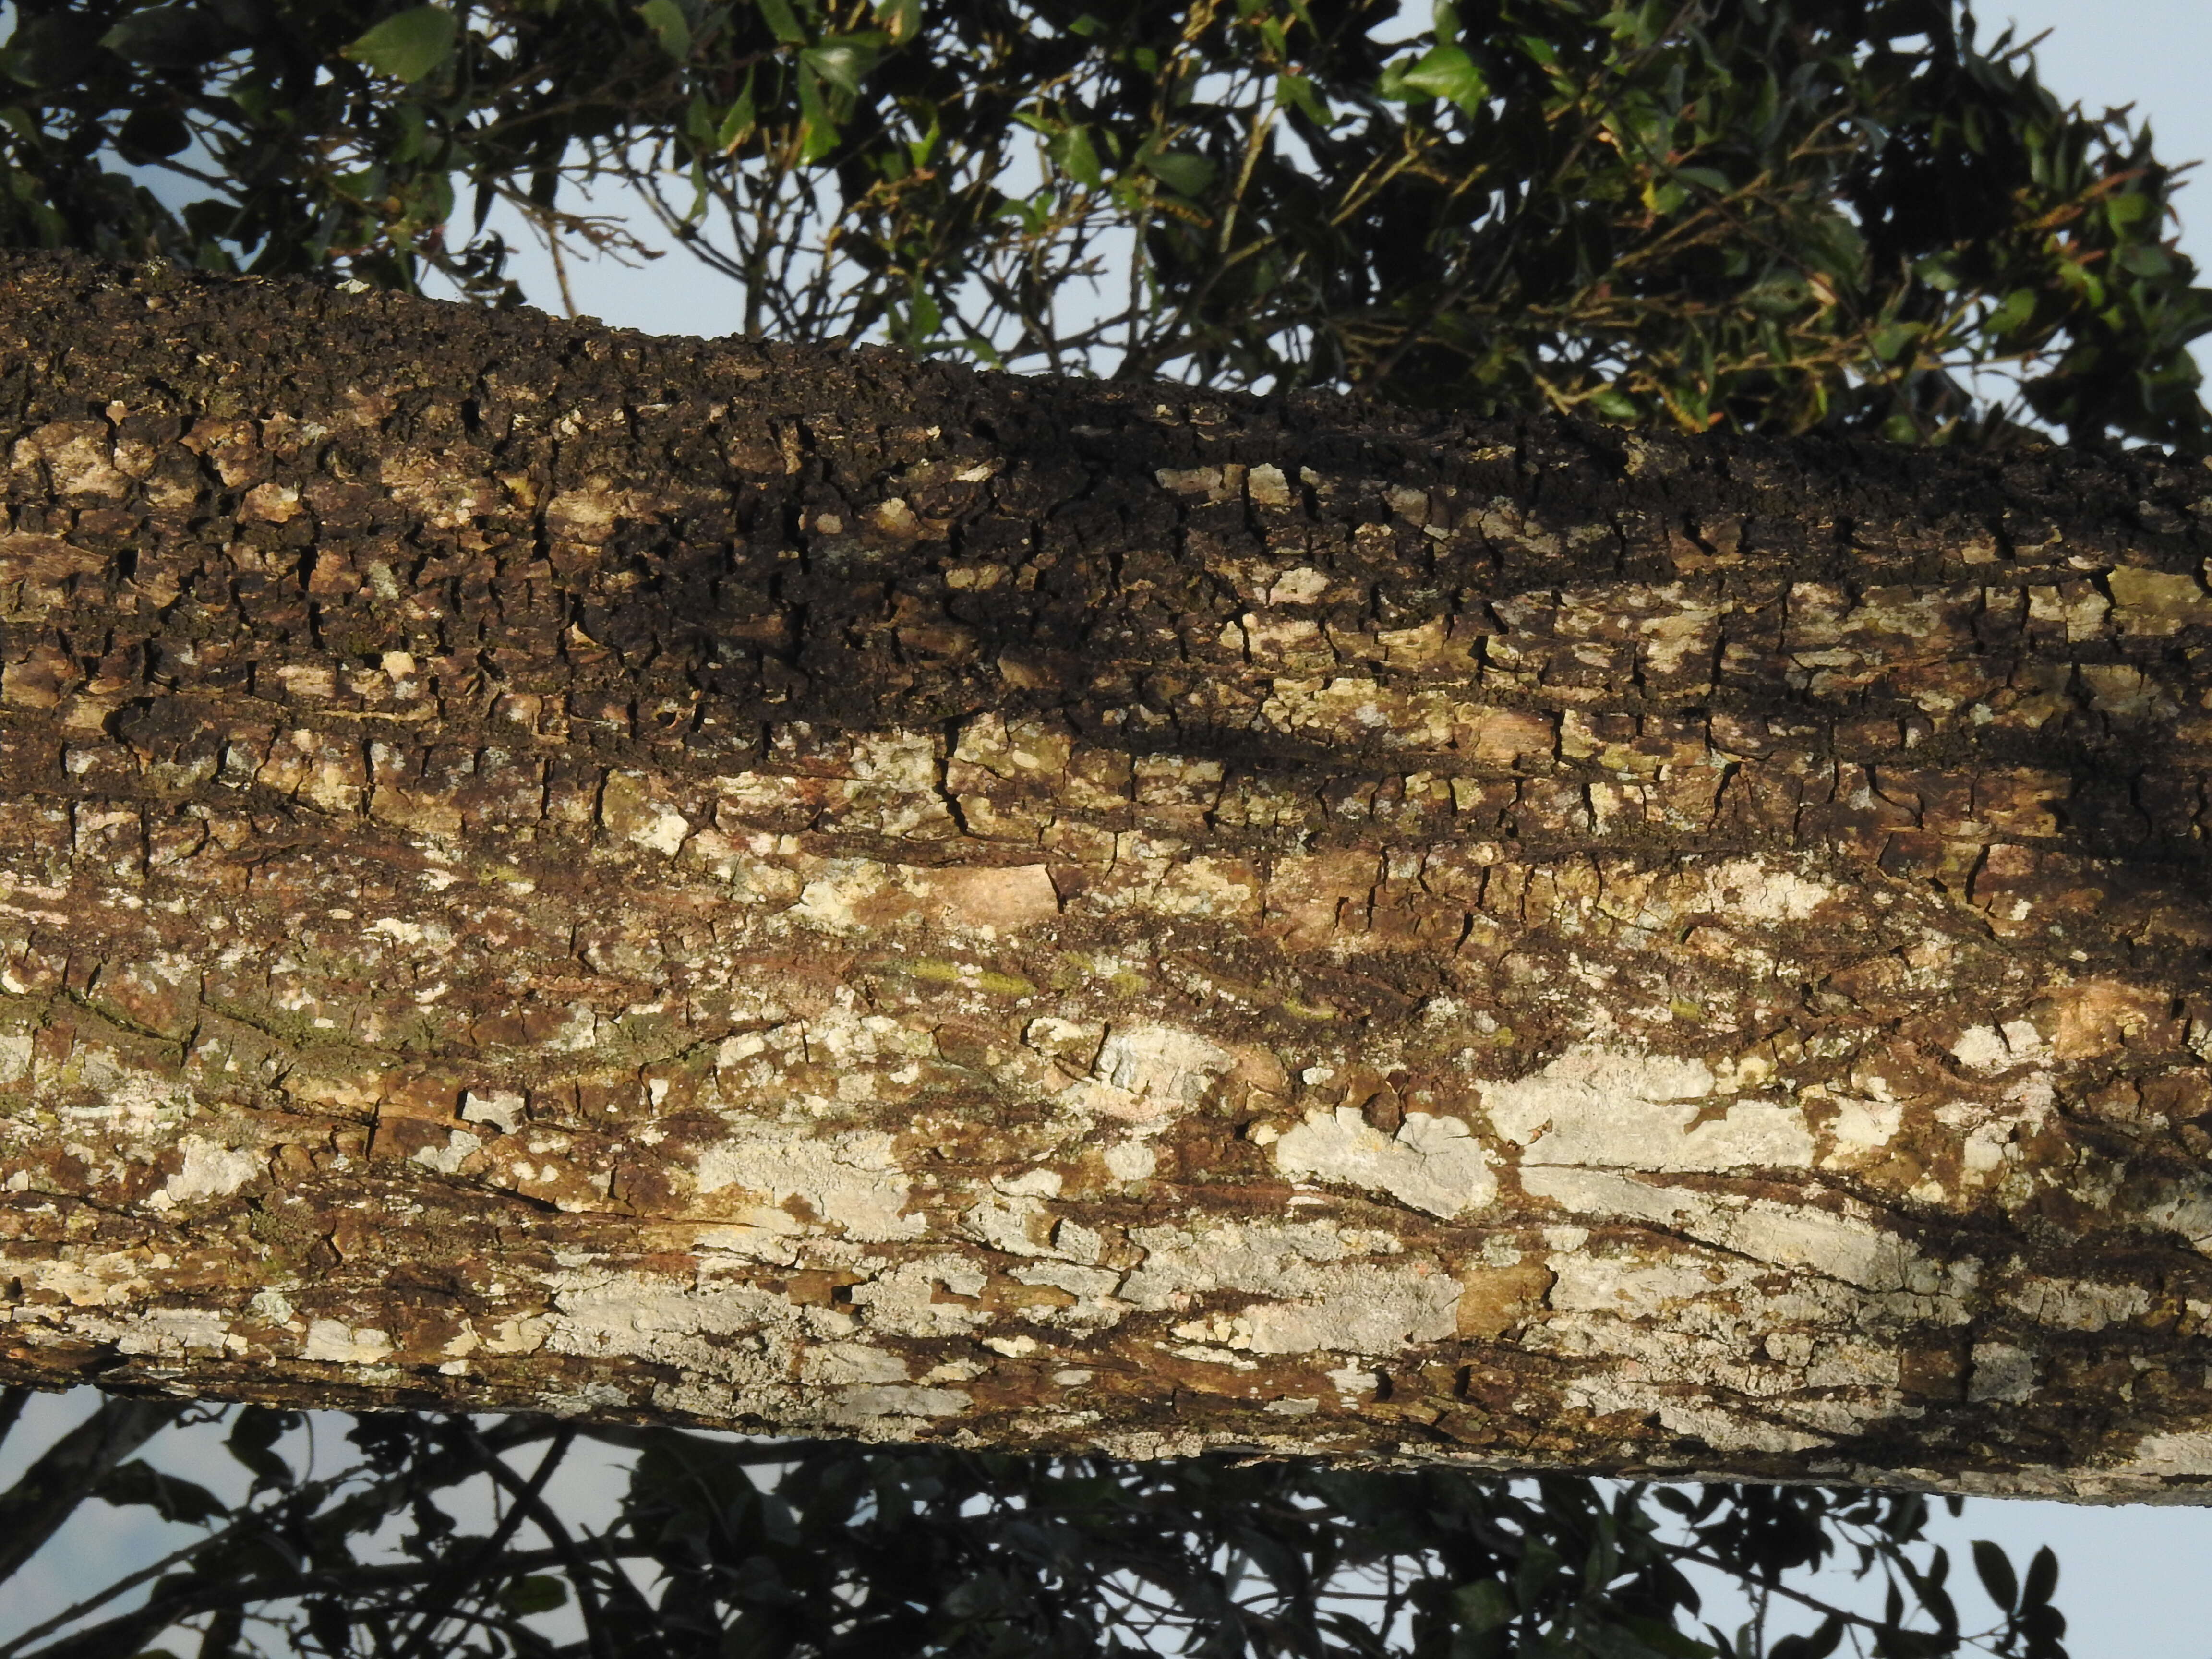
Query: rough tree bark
[(806, 891)]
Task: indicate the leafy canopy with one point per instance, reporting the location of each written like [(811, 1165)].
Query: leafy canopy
[(770, 1550), (1781, 214)]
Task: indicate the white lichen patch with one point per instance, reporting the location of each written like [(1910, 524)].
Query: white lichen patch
[(1227, 889), (1613, 1109), (853, 1182), (2186, 1210), (632, 810), (270, 1305), (2187, 1455), (841, 1363), (135, 1110), (1300, 584), (2077, 1304), (1859, 1127), (1073, 1043), (101, 1280), (1366, 1309), (501, 1109), (338, 1343), (1840, 1247), (1198, 1354), (460, 1147), (1300, 1287), (1431, 1163), (1261, 1257), (211, 1169), (834, 898), (1018, 1223), (1675, 1334), (732, 1332), (1145, 1072), (1735, 1431), (906, 1300), (1094, 1290), (1130, 1161), (866, 1407), (1989, 1129), (1751, 890), (1999, 1048), (175, 1331)]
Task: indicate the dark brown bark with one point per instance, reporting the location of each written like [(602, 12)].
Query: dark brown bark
[(805, 891)]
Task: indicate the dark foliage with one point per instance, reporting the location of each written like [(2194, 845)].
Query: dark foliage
[(1771, 214), (810, 1550)]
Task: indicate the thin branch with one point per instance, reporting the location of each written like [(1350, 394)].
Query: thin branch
[(438, 1598)]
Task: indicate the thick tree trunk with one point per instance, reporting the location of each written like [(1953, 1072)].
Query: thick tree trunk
[(809, 892)]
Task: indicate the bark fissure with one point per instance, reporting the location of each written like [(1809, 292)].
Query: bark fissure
[(806, 891)]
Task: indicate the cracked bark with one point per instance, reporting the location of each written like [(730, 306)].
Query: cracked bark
[(808, 892)]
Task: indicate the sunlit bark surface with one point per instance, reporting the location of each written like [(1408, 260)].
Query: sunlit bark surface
[(810, 893)]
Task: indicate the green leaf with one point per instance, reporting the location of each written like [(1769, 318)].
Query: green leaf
[(539, 1592), (1996, 1575), (670, 26), (1181, 172), (924, 317), (1939, 271), (1298, 90), (777, 15), (2127, 208), (169, 37), (842, 63), (902, 19), (1482, 1606), (1449, 73), (819, 129), (2018, 306), (408, 46), (1613, 402), (1890, 342), (1077, 158), (738, 122)]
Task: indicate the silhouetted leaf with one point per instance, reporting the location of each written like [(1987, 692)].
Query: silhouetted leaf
[(172, 1499), (1996, 1575), (409, 45)]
